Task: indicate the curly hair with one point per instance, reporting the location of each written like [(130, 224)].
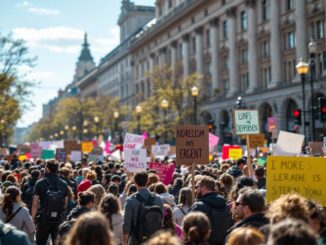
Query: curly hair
[(288, 206)]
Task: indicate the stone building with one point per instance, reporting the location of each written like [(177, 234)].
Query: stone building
[(246, 48)]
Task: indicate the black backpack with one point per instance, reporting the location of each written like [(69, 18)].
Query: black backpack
[(150, 218), (28, 195), (53, 208)]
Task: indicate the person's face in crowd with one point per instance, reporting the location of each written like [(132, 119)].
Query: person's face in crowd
[(90, 205), (314, 224), (241, 166), (199, 190), (239, 210)]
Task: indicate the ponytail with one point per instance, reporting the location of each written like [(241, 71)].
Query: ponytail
[(194, 235), (8, 200)]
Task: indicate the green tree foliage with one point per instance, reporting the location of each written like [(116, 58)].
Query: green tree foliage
[(15, 87)]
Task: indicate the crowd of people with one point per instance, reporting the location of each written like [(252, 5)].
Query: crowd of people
[(77, 203)]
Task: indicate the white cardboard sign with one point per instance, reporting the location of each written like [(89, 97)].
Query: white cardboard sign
[(133, 141), (160, 150), (135, 160), (288, 144), (75, 156), (246, 122)]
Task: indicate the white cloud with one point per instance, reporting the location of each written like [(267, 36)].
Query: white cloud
[(72, 49), (105, 44), (22, 4), (44, 11)]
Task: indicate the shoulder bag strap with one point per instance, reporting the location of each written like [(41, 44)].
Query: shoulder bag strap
[(184, 213), (12, 216)]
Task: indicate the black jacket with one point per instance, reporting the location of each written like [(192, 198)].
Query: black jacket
[(215, 207), (77, 211), (256, 221)]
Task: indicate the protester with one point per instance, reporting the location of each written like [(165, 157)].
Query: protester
[(168, 223), (245, 236), (317, 220), (162, 191), (185, 203), (110, 207), (248, 209), (196, 229), (28, 189), (88, 181), (164, 238), (51, 193), (85, 204), (135, 208), (15, 213), (10, 235), (293, 232), (90, 228), (214, 206), (99, 192)]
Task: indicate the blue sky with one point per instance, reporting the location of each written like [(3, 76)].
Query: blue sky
[(54, 31)]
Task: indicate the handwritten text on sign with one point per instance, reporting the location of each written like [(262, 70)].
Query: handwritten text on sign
[(164, 171), (192, 144), (135, 160), (160, 150), (133, 141), (246, 122), (304, 175)]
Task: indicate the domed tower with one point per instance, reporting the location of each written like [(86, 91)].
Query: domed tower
[(85, 61)]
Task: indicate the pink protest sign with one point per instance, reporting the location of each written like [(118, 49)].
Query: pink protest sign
[(107, 147), (212, 140), (36, 151), (164, 171)]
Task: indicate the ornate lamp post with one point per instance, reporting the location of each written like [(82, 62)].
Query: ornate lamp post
[(139, 109), (116, 117), (194, 94), (302, 69), (312, 46), (164, 106), (97, 121)]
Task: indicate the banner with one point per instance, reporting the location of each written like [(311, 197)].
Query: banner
[(235, 153), (75, 156), (288, 144), (133, 141), (192, 144), (256, 140), (87, 146), (213, 141), (135, 160), (246, 122), (60, 155), (47, 154), (36, 151), (164, 171), (160, 150), (303, 175), (226, 150)]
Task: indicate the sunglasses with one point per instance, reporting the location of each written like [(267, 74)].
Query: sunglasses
[(239, 203)]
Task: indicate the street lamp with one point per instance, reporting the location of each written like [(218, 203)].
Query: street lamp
[(312, 46), (165, 105), (194, 93), (62, 133), (116, 116), (302, 69), (238, 103), (74, 128), (96, 120), (139, 109)]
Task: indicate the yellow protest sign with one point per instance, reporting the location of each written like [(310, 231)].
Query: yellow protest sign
[(22, 157), (303, 175), (235, 153), (87, 146)]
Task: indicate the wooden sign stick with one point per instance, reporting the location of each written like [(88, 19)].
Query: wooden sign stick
[(193, 181), (250, 169)]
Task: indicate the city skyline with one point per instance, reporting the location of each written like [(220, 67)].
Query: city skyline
[(54, 32)]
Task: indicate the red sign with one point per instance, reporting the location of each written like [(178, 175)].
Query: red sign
[(226, 149)]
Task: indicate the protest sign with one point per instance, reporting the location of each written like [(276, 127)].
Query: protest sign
[(304, 175), (246, 122), (51, 145), (288, 144), (160, 150), (97, 151), (71, 145), (316, 148), (47, 154), (173, 150), (213, 141), (192, 144), (75, 156), (271, 124), (23, 149), (235, 153), (36, 151), (60, 154), (3, 151), (164, 171), (96, 157), (133, 141), (226, 149), (22, 157), (148, 145), (256, 140), (107, 147), (87, 146), (135, 160)]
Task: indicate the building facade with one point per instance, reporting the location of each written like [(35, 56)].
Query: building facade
[(246, 48)]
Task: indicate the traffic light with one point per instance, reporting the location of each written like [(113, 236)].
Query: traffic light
[(211, 126), (322, 108), (297, 116)]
